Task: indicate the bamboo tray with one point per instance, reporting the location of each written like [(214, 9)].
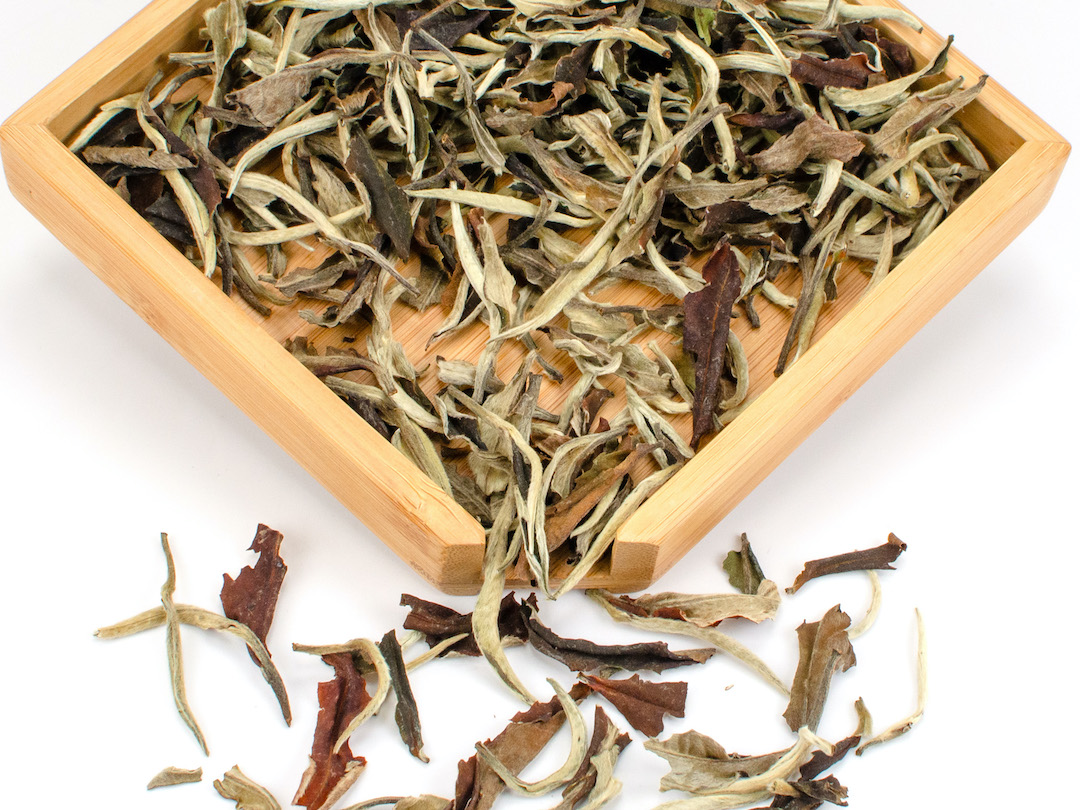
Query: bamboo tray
[(243, 355)]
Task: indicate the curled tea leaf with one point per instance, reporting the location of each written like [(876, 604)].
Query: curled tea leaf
[(879, 558), (248, 794), (174, 776)]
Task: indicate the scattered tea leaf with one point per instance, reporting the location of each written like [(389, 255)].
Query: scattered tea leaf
[(878, 558), (252, 597), (439, 623), (585, 656), (172, 642), (824, 648), (332, 771), (744, 572), (174, 776), (248, 795), (905, 725), (643, 703), (406, 714)]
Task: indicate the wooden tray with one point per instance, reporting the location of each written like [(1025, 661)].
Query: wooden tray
[(244, 357)]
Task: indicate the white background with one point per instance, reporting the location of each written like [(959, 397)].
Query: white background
[(965, 445)]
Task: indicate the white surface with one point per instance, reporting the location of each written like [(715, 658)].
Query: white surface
[(965, 445)]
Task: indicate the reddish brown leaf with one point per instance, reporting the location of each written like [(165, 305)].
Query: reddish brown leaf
[(824, 648), (821, 73), (643, 703), (516, 746), (252, 597), (877, 558), (705, 335), (330, 774), (439, 623)]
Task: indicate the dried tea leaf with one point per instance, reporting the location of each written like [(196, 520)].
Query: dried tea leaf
[(744, 572), (621, 611), (248, 795), (405, 714), (643, 703), (813, 139), (172, 643), (390, 206), (136, 157), (271, 98), (207, 620), (905, 725), (705, 336), (824, 648), (174, 776), (585, 656), (515, 747), (732, 793), (439, 623), (594, 784), (330, 773), (561, 775), (252, 597), (706, 610), (699, 764), (854, 71), (877, 558)]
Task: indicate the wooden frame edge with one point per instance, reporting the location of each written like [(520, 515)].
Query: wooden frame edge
[(698, 497), (401, 505)]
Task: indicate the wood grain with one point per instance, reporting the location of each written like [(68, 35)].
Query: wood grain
[(241, 352)]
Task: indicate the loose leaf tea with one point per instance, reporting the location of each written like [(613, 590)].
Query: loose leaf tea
[(824, 649), (172, 644), (252, 597), (743, 569), (513, 165), (585, 656), (439, 623), (332, 770), (878, 558), (405, 714), (643, 703), (248, 795), (174, 776)]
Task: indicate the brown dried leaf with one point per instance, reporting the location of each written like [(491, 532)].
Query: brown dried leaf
[(812, 139), (270, 99), (330, 774), (516, 746), (708, 319), (405, 714), (136, 157), (877, 558), (824, 648), (252, 597), (584, 656), (585, 784), (390, 206), (643, 703), (439, 623), (854, 71)]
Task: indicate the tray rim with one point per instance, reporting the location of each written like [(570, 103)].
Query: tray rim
[(397, 501)]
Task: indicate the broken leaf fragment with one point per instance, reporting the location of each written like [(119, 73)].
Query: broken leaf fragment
[(405, 713), (236, 786), (174, 776), (742, 567)]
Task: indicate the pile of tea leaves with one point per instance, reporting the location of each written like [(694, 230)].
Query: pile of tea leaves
[(519, 157), (368, 675)]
